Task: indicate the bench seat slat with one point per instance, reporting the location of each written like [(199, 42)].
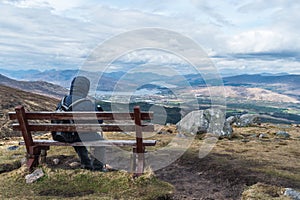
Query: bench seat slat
[(81, 115), (85, 127), (92, 143)]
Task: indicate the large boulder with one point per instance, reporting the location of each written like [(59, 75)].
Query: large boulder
[(217, 122), (193, 123), (205, 121), (247, 120)]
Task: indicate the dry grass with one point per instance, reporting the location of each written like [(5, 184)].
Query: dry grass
[(234, 164), (262, 191)]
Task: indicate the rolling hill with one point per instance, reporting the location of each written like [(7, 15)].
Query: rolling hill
[(38, 87), (246, 93), (11, 97)]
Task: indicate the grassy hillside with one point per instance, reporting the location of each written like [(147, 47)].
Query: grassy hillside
[(11, 97), (247, 166), (254, 164), (38, 87)]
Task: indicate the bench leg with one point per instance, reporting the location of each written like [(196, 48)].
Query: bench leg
[(34, 155), (138, 163), (133, 161), (32, 161)]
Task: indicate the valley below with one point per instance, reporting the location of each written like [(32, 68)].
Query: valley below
[(257, 162)]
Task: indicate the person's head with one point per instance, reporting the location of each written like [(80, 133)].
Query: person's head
[(80, 86)]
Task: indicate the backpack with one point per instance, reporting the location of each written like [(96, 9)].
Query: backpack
[(68, 137)]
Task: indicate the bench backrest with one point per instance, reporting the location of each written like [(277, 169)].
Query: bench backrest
[(26, 126)]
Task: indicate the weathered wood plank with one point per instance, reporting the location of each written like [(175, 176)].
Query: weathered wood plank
[(139, 142), (82, 128), (24, 127), (92, 143), (43, 115)]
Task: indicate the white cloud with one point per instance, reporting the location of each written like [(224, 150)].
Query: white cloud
[(59, 33), (257, 41), (57, 5)]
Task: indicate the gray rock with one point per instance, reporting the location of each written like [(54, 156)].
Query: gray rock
[(193, 123), (74, 164), (247, 120), (227, 130), (12, 148), (30, 178), (205, 121), (293, 194), (282, 134), (263, 136), (216, 119), (231, 120), (55, 161)]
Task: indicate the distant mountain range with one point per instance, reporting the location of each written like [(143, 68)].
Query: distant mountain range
[(283, 84), (287, 84), (276, 95), (263, 79), (38, 87)]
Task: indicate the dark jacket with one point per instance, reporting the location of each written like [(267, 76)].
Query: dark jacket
[(79, 89)]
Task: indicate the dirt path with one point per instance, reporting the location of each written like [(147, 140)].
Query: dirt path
[(209, 178)]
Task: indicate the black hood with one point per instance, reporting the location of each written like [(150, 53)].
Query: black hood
[(80, 86)]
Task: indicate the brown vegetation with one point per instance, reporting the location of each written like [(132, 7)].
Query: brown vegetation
[(11, 97)]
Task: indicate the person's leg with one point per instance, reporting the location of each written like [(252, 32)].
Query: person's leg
[(98, 153), (97, 157), (84, 157)]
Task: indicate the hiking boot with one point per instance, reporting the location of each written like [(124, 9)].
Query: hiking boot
[(97, 164)]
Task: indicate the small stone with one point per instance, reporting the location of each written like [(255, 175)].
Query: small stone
[(12, 148), (30, 178), (293, 194), (282, 134), (263, 136), (74, 164), (55, 161)]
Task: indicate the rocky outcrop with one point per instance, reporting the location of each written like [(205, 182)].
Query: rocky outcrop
[(205, 121), (247, 120), (194, 123)]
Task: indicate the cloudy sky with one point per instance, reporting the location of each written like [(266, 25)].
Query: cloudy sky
[(245, 36)]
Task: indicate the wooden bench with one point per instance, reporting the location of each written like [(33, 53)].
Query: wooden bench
[(29, 122)]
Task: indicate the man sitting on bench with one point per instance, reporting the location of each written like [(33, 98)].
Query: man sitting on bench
[(77, 101)]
